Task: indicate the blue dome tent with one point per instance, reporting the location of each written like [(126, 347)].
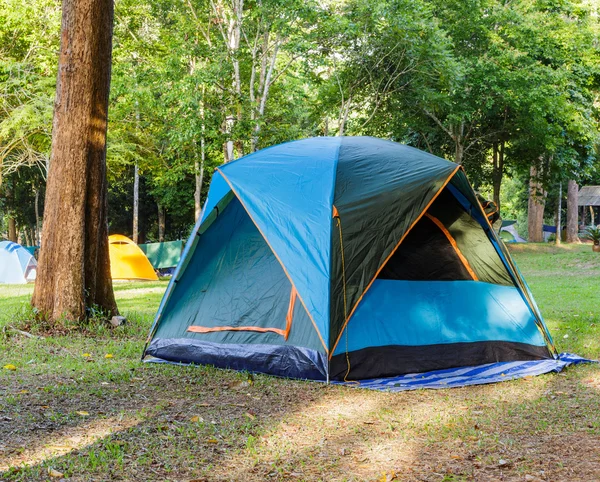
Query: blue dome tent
[(345, 258), (17, 265)]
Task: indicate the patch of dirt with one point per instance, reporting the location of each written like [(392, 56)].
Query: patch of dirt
[(194, 424)]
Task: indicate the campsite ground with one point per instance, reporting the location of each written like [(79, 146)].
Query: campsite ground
[(80, 403)]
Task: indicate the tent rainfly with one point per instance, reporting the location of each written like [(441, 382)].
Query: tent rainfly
[(127, 260), (17, 265), (345, 258)]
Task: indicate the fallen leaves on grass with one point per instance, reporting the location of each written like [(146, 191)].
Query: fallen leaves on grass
[(55, 473), (82, 413), (108, 355), (87, 355), (10, 366), (196, 418)]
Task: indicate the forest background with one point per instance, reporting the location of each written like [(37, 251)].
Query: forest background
[(507, 88)]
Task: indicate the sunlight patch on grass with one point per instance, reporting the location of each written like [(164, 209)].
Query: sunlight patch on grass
[(137, 292), (58, 444)]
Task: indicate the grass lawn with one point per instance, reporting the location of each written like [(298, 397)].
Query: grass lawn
[(85, 407)]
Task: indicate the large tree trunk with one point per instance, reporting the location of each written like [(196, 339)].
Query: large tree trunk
[(74, 266), (572, 212), (535, 212)]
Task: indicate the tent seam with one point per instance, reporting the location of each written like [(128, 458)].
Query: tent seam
[(332, 198)]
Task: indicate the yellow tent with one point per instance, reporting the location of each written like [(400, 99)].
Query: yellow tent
[(128, 261)]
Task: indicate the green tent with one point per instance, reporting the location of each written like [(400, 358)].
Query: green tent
[(163, 255)]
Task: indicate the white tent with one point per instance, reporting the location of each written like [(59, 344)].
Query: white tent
[(17, 265)]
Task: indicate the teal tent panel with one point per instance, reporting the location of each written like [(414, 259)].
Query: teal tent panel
[(217, 192), (163, 255), (235, 281), (288, 191), (417, 313)]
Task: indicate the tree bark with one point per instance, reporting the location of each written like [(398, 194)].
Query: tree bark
[(74, 267), (38, 235), (497, 170), (161, 223), (535, 212), (199, 167), (572, 212), (10, 218), (558, 239), (458, 152), (12, 229), (136, 203)]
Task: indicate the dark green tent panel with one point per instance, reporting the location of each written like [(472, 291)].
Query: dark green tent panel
[(163, 255)]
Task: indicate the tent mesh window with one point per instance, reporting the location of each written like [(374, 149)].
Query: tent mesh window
[(446, 244)]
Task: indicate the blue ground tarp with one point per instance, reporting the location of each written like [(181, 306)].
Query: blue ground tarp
[(457, 377), (464, 376)]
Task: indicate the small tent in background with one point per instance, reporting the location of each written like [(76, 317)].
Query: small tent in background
[(17, 265), (163, 256), (128, 261), (346, 258)]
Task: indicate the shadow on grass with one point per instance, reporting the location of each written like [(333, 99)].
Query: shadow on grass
[(182, 424)]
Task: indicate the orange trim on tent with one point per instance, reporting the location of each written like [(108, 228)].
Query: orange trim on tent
[(206, 329), (290, 313), (464, 261), (278, 259), (336, 214), (390, 255), (285, 333)]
